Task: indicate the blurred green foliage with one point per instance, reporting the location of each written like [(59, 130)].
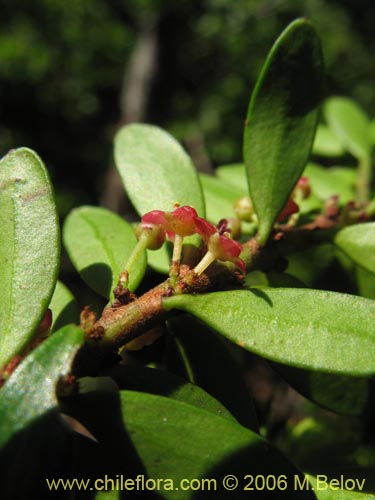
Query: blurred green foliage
[(62, 67)]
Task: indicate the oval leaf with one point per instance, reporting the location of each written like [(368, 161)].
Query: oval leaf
[(63, 306), (281, 121), (181, 442), (99, 243), (358, 242), (155, 170), (350, 124), (311, 329), (31, 390), (29, 248)]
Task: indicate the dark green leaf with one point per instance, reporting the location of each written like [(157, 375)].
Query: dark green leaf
[(365, 282), (281, 120), (63, 306), (175, 440), (333, 181), (326, 143), (358, 242), (204, 358), (29, 248), (274, 279), (99, 243), (155, 170), (31, 390), (312, 329), (350, 124), (154, 381)]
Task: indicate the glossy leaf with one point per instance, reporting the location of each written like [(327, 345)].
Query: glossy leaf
[(219, 197), (63, 306), (175, 440), (162, 383), (281, 120), (333, 181), (326, 143), (204, 358), (155, 170), (99, 243), (31, 390), (358, 242), (29, 248), (312, 329), (350, 124)]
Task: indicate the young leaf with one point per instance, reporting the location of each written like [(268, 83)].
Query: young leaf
[(63, 306), (175, 440), (31, 390), (311, 329), (155, 170), (99, 243), (29, 248), (350, 124), (358, 242), (281, 120)]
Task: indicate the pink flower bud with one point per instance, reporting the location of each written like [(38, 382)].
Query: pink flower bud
[(152, 234), (290, 208)]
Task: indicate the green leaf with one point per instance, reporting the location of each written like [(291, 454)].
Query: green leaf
[(358, 242), (333, 181), (155, 170), (311, 329), (219, 197), (350, 124), (281, 120), (29, 248), (203, 357), (31, 390), (365, 282), (234, 175), (326, 143), (162, 383), (175, 440), (345, 484), (63, 306), (99, 243)]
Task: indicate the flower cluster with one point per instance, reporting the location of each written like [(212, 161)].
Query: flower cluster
[(184, 221)]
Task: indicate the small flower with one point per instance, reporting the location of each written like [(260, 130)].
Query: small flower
[(181, 221), (219, 246)]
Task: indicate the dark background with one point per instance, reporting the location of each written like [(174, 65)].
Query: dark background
[(71, 72)]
